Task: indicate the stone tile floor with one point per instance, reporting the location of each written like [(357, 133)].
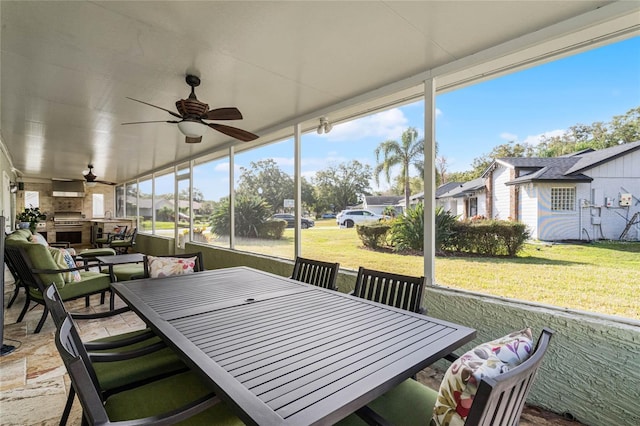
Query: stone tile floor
[(34, 383)]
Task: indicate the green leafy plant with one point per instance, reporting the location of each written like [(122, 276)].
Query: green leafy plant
[(250, 212), (407, 231), (32, 215)]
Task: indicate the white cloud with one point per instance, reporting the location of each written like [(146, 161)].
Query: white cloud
[(222, 167), (536, 139), (384, 125), (508, 136)]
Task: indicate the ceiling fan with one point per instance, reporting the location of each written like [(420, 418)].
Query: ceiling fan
[(93, 179), (192, 113)]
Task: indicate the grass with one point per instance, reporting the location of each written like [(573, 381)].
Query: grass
[(600, 277)]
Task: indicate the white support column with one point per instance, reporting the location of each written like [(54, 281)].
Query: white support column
[(429, 179), (297, 181), (232, 200), (176, 209), (153, 203)]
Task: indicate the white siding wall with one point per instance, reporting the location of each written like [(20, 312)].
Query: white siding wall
[(529, 208), (482, 203), (611, 179), (556, 225), (501, 193), (459, 207)]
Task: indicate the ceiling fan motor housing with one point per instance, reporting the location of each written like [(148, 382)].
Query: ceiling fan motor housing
[(191, 108)]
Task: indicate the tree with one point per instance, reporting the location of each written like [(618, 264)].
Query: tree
[(509, 149), (198, 196), (342, 185), (406, 153), (266, 179), (622, 129)]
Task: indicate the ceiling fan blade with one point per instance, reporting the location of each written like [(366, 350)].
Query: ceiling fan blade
[(234, 132), (105, 182), (193, 140), (159, 121), (155, 106), (223, 114)]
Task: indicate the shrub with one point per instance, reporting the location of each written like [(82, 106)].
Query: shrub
[(373, 235), (445, 231), (407, 230), (489, 237), (272, 229), (250, 212)]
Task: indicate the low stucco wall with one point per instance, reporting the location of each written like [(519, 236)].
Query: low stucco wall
[(592, 368)]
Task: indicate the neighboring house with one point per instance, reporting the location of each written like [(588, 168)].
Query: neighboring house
[(419, 197), (466, 199), (377, 204), (582, 196), (144, 206)]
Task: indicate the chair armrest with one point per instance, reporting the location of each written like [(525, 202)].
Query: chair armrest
[(99, 315), (56, 271), (101, 346), (124, 355), (175, 416)]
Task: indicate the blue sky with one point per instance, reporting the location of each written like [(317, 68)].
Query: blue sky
[(545, 100)]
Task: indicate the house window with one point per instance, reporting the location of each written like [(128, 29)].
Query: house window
[(473, 206), (98, 205), (563, 199), (31, 199)]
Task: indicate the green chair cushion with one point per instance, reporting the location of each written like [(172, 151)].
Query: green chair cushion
[(409, 403), (116, 374), (92, 282), (91, 253), (118, 337), (39, 255), (129, 271), (161, 396)]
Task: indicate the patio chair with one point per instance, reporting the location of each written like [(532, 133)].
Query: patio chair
[(119, 231), (180, 397), (498, 400), (35, 266), (121, 361), (172, 264), (122, 243), (400, 291), (321, 274)]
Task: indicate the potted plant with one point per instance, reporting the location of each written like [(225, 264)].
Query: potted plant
[(30, 217)]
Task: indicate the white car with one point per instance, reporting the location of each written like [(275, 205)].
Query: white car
[(349, 218)]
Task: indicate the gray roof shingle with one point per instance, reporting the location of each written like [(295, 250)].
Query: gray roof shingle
[(564, 168)]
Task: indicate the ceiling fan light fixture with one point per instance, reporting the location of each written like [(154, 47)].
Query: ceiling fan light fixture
[(192, 129), (90, 184)]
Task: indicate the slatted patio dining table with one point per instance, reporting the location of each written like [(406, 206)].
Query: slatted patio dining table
[(281, 352)]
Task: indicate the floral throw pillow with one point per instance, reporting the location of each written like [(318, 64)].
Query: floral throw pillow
[(64, 261), (460, 383), (170, 266)]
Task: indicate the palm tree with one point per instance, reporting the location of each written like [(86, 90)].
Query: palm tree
[(408, 152)]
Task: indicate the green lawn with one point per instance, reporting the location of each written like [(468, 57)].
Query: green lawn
[(600, 277)]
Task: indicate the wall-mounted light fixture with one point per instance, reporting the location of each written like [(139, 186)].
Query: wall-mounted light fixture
[(325, 126), (13, 187)]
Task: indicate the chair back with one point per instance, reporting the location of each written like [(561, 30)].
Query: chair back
[(500, 400), (199, 264), (21, 267), (321, 274), (53, 301), (400, 291), (83, 378)]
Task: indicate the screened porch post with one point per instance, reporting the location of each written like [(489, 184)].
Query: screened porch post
[(297, 195), (429, 180)]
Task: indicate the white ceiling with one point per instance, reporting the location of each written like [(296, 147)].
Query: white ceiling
[(67, 67)]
